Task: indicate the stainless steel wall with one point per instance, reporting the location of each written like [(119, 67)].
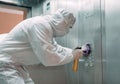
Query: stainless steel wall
[(111, 68), (98, 22), (87, 29)]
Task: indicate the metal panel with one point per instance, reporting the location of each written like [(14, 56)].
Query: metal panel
[(47, 75), (87, 29), (112, 60)]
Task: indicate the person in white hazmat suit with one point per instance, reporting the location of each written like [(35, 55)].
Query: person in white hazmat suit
[(32, 42)]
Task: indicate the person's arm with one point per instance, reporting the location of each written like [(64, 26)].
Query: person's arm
[(49, 54)]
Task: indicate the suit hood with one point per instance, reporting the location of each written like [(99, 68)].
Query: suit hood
[(61, 21)]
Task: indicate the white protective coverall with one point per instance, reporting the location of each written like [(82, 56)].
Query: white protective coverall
[(32, 42)]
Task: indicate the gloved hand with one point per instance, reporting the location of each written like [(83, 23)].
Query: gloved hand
[(86, 49), (77, 53)]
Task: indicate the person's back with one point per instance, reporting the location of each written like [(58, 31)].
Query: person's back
[(16, 49), (17, 43)]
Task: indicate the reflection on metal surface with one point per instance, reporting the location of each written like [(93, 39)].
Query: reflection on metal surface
[(111, 66)]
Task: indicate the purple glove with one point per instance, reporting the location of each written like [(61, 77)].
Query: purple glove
[(86, 49)]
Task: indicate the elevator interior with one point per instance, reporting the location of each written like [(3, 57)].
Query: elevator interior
[(97, 23)]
